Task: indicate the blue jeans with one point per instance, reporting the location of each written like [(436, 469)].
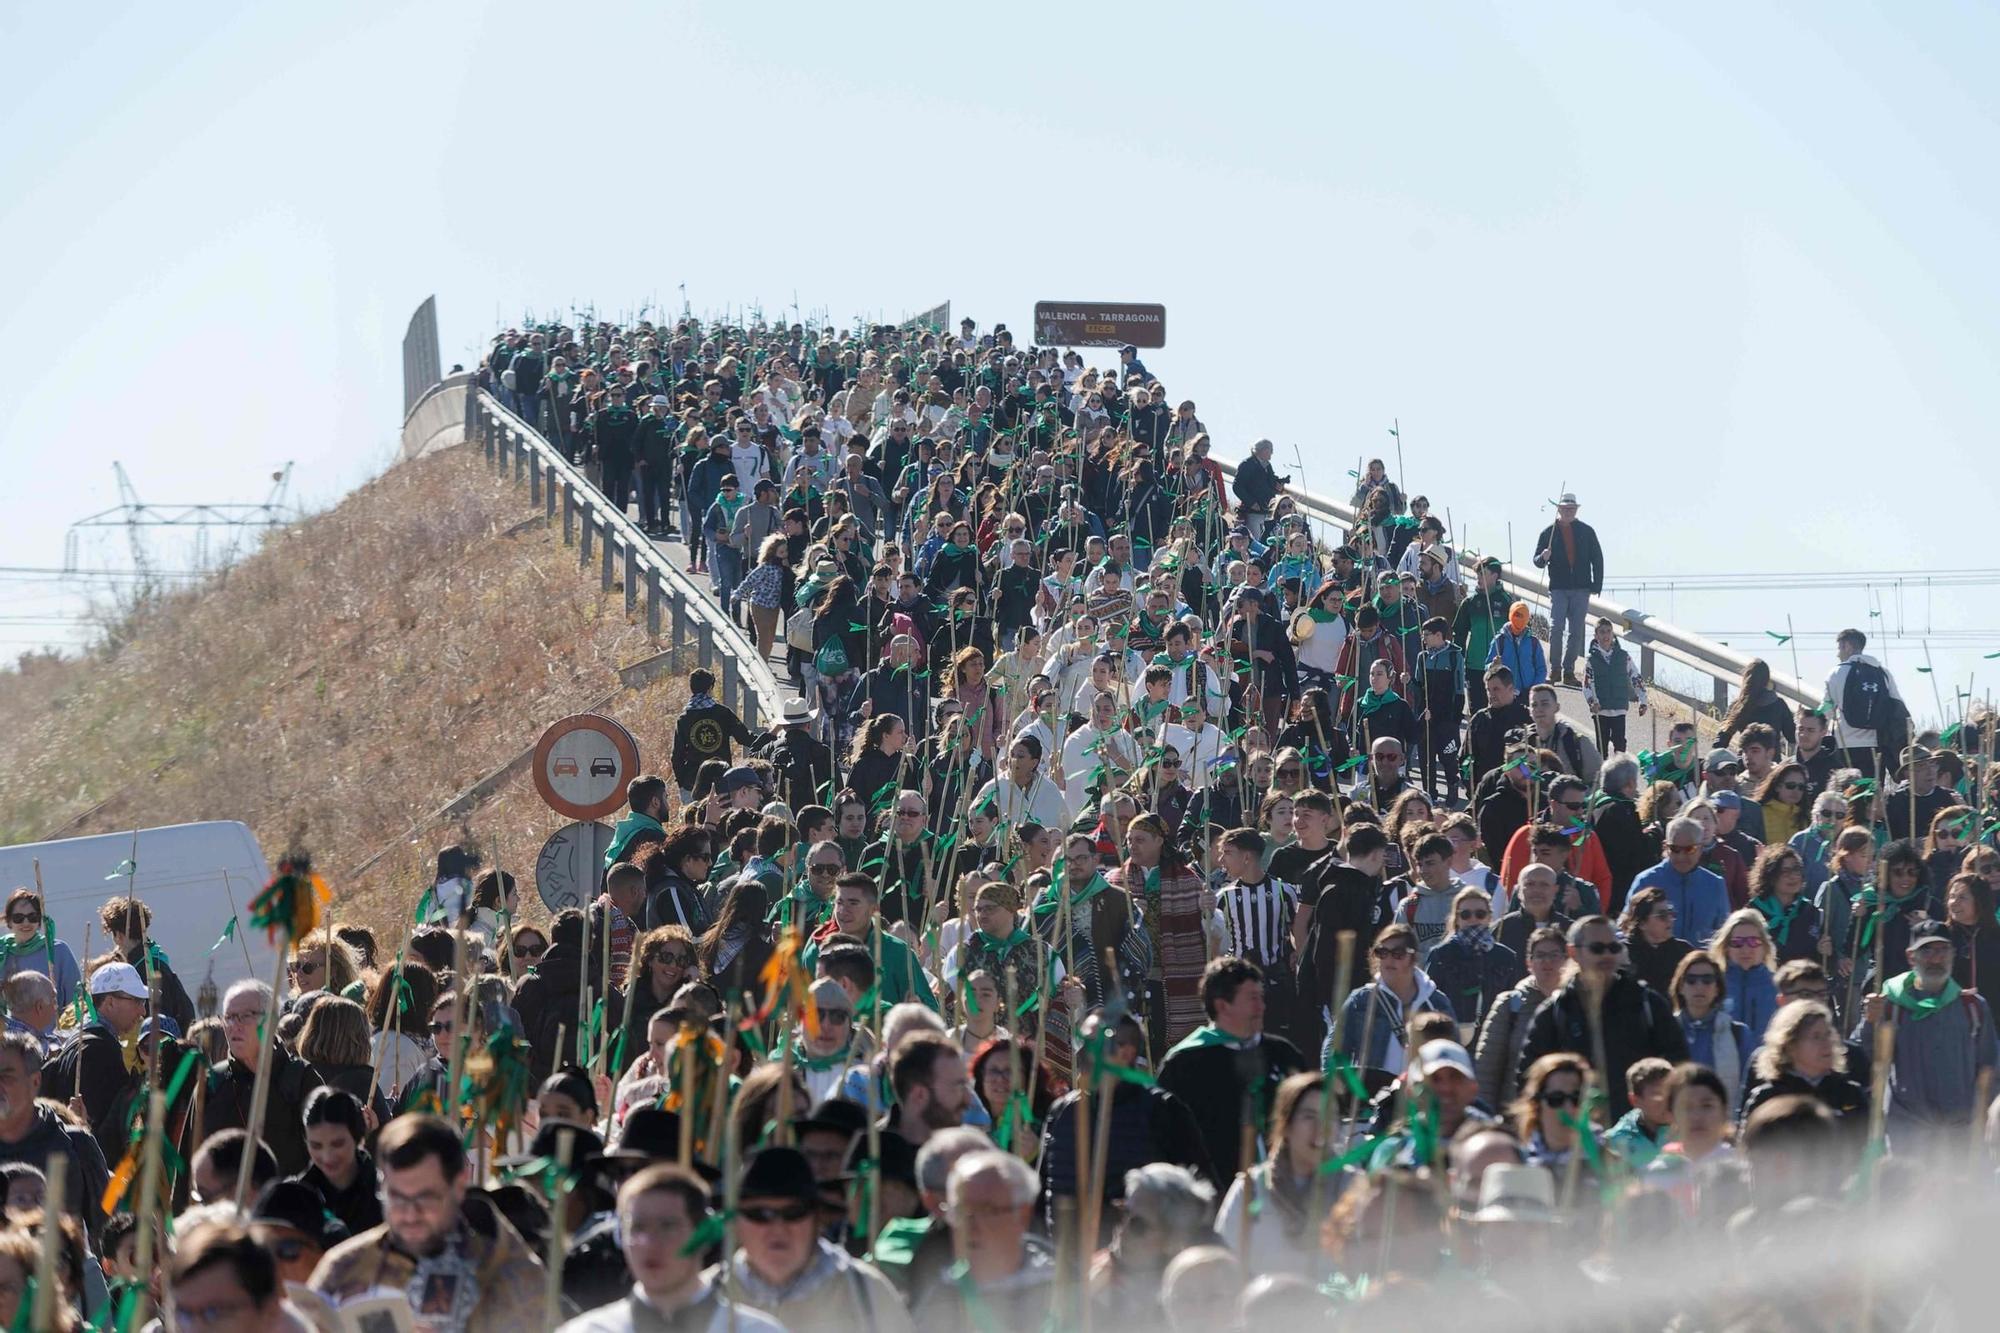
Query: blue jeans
[(725, 571), (1567, 606)]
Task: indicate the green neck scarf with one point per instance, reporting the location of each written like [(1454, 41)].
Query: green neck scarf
[(1208, 1034), (1370, 701), (1903, 993), (1778, 920), (1001, 948), (1883, 909), (1049, 901)]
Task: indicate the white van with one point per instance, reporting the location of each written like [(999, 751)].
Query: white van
[(186, 875)]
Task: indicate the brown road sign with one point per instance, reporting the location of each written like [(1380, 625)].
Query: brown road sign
[(1099, 324), (582, 764)]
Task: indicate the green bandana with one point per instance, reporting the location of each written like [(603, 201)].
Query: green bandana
[(1370, 701), (1208, 1034), (1778, 920), (1049, 901), (1001, 948), (1903, 993)]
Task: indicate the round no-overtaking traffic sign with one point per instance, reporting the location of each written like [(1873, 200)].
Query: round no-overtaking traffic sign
[(570, 865), (582, 764)]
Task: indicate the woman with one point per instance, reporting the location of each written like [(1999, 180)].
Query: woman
[(1376, 1016), (850, 825), (1471, 969), (1944, 842), (1743, 948), (1380, 711), (20, 1256), (320, 964), (1650, 942), (399, 1005), (981, 1006), (1274, 821), (1814, 843), (1620, 828), (567, 1097), (1098, 755), (736, 947), (520, 949), (1166, 893), (1405, 813), (1288, 771), (31, 946), (1000, 1068), (1550, 1111), (1850, 863), (341, 1170), (1899, 897), (1975, 937), (956, 564), (1658, 805), (1803, 1055), (336, 1043), (837, 646), (1324, 630), (662, 961), (965, 684), (1757, 701), (1778, 894), (1280, 1193), (1782, 797), (1504, 1034), (880, 762), (1713, 1037), (763, 588)]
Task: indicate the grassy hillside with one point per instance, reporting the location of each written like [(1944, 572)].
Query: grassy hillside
[(339, 686)]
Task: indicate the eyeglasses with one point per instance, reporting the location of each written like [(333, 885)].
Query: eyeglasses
[(791, 1212), (1682, 848), (1603, 947), (530, 950), (1745, 942), (1699, 979), (1547, 956), (26, 918), (1809, 993), (1475, 914), (824, 869), (252, 1016), (1558, 1100), (677, 959), (1392, 951)]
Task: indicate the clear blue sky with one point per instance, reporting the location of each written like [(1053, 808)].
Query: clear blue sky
[(1729, 272)]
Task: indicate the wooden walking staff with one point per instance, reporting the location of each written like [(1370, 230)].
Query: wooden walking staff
[(558, 1227), (289, 907), (48, 1265), (1343, 972)]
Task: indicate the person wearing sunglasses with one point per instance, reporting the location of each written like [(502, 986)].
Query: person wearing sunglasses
[(1715, 1039), (1377, 1015), (292, 1222), (784, 1268), (1698, 895), (663, 962), (31, 946), (1602, 1007), (1550, 1110), (1469, 965)]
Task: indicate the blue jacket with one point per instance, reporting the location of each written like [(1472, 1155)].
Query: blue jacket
[(1523, 656), (1751, 1000), (1699, 899)]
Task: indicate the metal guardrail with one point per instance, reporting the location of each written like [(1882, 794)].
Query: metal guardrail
[(1655, 638), (745, 680)]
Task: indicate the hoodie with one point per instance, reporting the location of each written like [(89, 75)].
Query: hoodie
[(1519, 650), (1386, 1030), (1429, 911)]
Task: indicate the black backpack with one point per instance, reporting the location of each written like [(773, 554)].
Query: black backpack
[(1864, 697)]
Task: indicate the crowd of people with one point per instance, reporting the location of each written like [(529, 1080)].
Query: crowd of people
[(1150, 907)]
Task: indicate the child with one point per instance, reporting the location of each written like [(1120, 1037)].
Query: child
[(1438, 682), (1516, 648), (1611, 685), (1642, 1131)]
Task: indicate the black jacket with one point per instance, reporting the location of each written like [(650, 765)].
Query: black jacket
[(1628, 849), (1654, 964), (1586, 571), (804, 767), (1839, 1092), (1147, 1125), (1348, 900), (1637, 1022), (1486, 736), (232, 1084), (51, 1137), (1500, 809), (547, 1003), (357, 1206), (92, 1066), (1223, 1086), (702, 734), (1256, 485)]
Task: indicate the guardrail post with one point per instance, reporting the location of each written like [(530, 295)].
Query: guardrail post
[(610, 554), (587, 536), (1721, 694), (549, 495), (535, 484), (631, 579), (653, 602), (486, 436), (569, 514), (677, 606), (1648, 660), (705, 637), (731, 686), (520, 457)]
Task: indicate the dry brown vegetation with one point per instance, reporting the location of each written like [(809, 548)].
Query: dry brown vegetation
[(338, 687)]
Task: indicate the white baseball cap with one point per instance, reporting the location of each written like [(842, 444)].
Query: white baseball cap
[(117, 979)]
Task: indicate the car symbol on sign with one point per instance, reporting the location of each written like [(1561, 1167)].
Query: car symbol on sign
[(603, 768), (565, 768)]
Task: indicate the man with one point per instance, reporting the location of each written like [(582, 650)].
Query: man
[(219, 1272), (1504, 714), (703, 732), (1022, 793), (612, 430), (462, 1263), (291, 1220), (644, 821), (653, 446), (621, 908), (1730, 809), (126, 922), (1004, 1280), (916, 1253), (1257, 485), (1095, 919), (1698, 896), (90, 1074), (1569, 801), (1443, 1070), (1944, 1038), (854, 916), (785, 1269), (1603, 1010), (31, 1006), (1258, 912), (1816, 750), (246, 1010), (1148, 1123), (1227, 1069), (1568, 550), (1911, 804), (1026, 971), (1505, 798), (1553, 732), (218, 1163), (1427, 893), (810, 903), (900, 686), (1353, 899), (1385, 778), (659, 1210), (803, 762), (1865, 705), (1478, 618), (928, 1076), (34, 1135)]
